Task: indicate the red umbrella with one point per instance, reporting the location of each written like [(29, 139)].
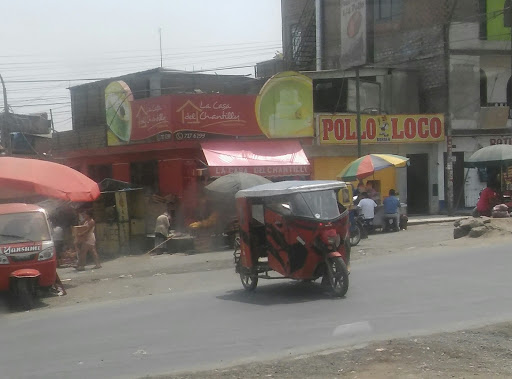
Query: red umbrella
[(21, 177)]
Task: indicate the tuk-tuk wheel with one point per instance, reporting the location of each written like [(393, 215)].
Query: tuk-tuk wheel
[(248, 281), (25, 291), (339, 279)]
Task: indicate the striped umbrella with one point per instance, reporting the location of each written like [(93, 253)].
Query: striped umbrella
[(366, 166)]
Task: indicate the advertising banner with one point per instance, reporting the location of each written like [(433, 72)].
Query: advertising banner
[(354, 50), (266, 171), (188, 117), (283, 109), (340, 129)]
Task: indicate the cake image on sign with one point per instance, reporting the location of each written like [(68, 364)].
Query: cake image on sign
[(354, 24), (284, 107), (118, 109)]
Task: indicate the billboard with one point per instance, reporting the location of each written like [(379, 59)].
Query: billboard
[(282, 109), (340, 129), (188, 117), (354, 48)]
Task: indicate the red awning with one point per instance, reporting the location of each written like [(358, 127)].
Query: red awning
[(265, 158)]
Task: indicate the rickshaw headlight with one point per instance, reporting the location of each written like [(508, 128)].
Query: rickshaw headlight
[(4, 260), (337, 240), (46, 254), (334, 241)]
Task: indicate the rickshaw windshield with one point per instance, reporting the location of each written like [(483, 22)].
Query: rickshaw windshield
[(23, 227), (320, 205)]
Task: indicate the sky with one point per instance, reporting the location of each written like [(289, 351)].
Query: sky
[(48, 46)]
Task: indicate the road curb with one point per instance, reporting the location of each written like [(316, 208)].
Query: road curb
[(435, 220)]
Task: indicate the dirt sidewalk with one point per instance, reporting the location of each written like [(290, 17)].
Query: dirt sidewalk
[(477, 353)]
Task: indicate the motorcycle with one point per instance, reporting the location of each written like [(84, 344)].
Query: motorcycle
[(357, 229), (293, 228)]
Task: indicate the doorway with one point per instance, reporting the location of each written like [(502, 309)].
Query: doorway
[(458, 180), (417, 184)]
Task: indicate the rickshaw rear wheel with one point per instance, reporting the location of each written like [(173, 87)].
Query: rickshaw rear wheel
[(248, 281), (339, 281)]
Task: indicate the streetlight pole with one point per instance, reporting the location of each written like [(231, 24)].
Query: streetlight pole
[(6, 135), (358, 116)]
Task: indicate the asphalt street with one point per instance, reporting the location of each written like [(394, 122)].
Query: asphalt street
[(214, 322)]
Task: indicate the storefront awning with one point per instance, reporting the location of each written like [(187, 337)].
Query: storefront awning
[(265, 158)]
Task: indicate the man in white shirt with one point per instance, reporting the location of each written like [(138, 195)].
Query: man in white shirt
[(162, 232), (368, 209)]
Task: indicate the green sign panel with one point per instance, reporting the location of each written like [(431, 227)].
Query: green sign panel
[(498, 22)]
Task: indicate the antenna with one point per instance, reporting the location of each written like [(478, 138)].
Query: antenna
[(161, 57)]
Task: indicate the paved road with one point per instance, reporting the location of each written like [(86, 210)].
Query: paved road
[(219, 324)]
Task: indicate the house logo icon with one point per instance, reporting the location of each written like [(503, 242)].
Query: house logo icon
[(189, 113)]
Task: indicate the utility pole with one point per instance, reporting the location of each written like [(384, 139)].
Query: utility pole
[(161, 56), (448, 118), (6, 135), (507, 22), (358, 116), (53, 125)]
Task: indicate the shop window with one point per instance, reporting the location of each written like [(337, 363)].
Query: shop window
[(388, 10), (145, 174), (330, 95), (483, 88), (100, 172)]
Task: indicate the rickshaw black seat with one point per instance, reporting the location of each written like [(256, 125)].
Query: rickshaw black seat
[(258, 240)]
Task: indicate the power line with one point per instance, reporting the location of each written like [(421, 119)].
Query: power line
[(103, 53)]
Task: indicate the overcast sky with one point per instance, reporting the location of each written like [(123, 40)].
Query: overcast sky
[(70, 39)]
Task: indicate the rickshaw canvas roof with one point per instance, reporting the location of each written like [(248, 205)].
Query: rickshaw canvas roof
[(289, 187), (9, 208)]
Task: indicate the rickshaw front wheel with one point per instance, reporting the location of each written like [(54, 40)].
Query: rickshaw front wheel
[(337, 276), (248, 281)]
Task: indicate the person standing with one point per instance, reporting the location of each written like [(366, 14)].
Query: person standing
[(162, 226), (87, 242), (58, 239), (391, 205)]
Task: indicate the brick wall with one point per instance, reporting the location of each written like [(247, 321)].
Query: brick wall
[(90, 138)]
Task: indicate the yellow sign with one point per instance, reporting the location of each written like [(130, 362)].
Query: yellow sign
[(284, 107), (118, 112), (340, 129)]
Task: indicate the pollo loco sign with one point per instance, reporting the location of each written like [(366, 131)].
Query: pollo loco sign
[(340, 129)]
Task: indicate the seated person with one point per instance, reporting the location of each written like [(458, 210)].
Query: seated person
[(360, 189), (372, 193), (489, 197), (391, 205), (367, 206)]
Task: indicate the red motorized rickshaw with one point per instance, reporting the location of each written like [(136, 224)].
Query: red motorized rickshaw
[(27, 253), (294, 228)]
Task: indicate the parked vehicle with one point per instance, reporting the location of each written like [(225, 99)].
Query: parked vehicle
[(27, 253), (295, 229), (357, 229), (346, 200)]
